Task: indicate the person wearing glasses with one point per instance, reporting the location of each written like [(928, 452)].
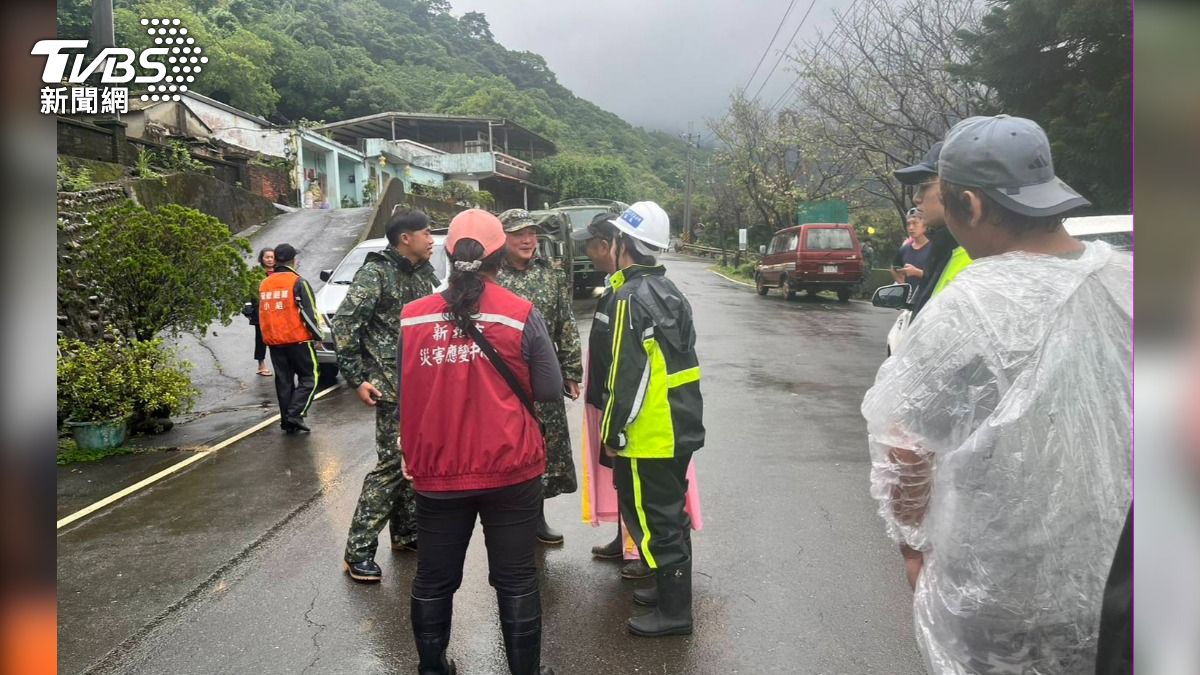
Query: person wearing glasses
[(945, 258)]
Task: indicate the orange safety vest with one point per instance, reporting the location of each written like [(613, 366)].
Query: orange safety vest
[(278, 314)]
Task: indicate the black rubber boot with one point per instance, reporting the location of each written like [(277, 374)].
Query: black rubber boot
[(431, 629), (521, 625), (646, 597), (544, 533), (673, 613), (610, 551)]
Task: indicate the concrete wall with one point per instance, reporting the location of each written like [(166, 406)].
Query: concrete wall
[(475, 162), (81, 139), (350, 173), (233, 206), (171, 115), (242, 131), (419, 176), (315, 160)]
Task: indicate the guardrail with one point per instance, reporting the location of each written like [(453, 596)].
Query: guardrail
[(715, 252)]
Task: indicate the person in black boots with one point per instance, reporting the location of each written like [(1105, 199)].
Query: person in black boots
[(652, 412), (472, 360), (290, 323)]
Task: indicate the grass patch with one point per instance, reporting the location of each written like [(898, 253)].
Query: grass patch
[(69, 453), (744, 272)]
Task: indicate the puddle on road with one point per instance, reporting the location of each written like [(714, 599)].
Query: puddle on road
[(767, 381)]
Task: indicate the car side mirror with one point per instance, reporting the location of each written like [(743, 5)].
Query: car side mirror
[(325, 274), (894, 296), (762, 249)]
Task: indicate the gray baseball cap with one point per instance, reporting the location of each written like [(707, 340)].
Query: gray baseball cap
[(923, 170), (1009, 158)]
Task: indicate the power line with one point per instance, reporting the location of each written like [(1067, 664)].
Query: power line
[(800, 75), (784, 51), (767, 49)]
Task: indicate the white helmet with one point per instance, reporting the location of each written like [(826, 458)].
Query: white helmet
[(647, 223)]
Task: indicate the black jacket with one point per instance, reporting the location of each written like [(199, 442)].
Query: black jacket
[(643, 373), (941, 246)]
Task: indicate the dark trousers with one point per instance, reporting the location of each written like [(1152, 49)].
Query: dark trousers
[(651, 493), (510, 518), (260, 347), (295, 382)]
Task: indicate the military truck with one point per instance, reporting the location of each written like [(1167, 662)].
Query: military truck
[(578, 213), (554, 238)]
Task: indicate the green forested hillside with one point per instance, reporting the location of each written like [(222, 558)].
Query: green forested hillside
[(289, 60)]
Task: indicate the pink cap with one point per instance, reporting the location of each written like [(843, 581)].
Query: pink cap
[(479, 225)]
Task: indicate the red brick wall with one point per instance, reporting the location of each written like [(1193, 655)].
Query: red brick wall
[(270, 183)]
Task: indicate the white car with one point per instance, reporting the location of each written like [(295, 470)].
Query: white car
[(1115, 230), (337, 282)]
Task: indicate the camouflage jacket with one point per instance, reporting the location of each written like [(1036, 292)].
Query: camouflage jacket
[(367, 323), (549, 289)]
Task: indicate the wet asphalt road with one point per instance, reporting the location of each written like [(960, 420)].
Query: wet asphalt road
[(232, 396), (233, 565)]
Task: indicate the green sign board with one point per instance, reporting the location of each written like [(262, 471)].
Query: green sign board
[(825, 211)]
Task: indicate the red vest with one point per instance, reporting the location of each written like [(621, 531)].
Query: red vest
[(461, 426), (278, 315)]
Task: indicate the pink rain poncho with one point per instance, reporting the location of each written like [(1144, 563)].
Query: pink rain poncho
[(1000, 439), (599, 497)]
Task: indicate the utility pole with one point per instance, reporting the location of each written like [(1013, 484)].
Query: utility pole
[(691, 139), (103, 34)]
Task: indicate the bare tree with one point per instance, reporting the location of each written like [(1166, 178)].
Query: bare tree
[(881, 85), (779, 160)]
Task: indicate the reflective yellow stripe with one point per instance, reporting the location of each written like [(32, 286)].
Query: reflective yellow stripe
[(683, 377), (618, 333), (316, 377), (641, 514)]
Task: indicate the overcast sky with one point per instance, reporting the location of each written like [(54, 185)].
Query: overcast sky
[(656, 63)]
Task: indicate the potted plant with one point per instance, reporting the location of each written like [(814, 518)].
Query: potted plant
[(94, 387), (101, 385)]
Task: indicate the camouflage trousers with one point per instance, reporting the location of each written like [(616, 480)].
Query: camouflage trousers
[(385, 497), (559, 478)]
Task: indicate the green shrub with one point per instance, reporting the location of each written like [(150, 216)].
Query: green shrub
[(458, 191), (94, 381), (179, 158), (73, 180), (142, 167), (174, 269), (160, 380), (484, 199), (112, 378)]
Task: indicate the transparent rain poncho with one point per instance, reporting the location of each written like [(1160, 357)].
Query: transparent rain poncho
[(1000, 435)]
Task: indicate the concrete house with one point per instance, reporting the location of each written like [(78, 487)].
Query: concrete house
[(486, 153)]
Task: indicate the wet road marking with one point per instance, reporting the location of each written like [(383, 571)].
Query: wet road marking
[(196, 457)]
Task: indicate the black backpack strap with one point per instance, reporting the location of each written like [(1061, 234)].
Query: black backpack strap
[(504, 370)]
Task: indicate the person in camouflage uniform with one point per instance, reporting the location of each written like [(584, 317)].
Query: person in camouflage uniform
[(366, 328), (549, 289)]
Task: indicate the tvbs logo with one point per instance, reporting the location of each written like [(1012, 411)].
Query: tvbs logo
[(117, 63), (167, 68)]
